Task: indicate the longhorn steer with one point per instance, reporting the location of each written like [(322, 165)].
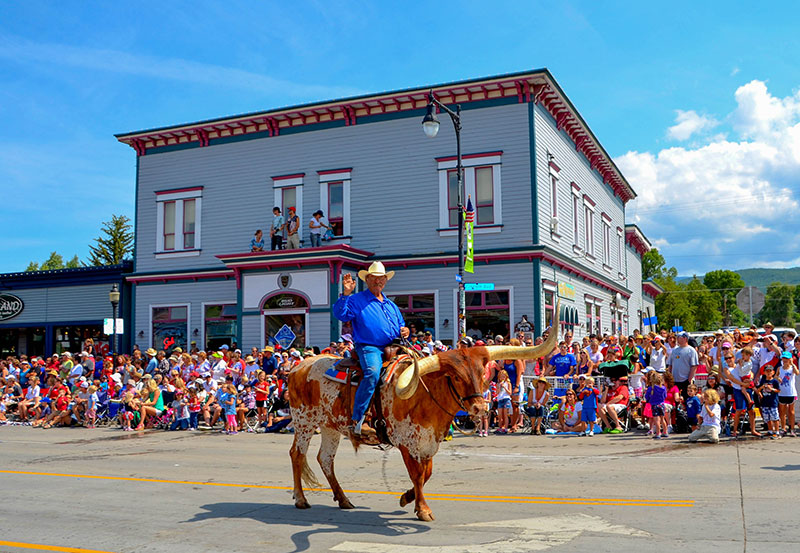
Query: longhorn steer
[(417, 416)]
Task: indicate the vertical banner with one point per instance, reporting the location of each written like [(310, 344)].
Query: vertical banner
[(469, 217)]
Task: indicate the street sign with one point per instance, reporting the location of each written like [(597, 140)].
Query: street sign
[(479, 286), (750, 300), (285, 337), (108, 326)]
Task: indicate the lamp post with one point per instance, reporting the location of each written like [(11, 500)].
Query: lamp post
[(430, 125), (113, 297)]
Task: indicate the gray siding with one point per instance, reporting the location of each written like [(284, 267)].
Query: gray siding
[(66, 303), (251, 332), (636, 303), (181, 293), (394, 187), (573, 168)]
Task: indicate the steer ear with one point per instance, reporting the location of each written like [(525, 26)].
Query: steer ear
[(533, 352)]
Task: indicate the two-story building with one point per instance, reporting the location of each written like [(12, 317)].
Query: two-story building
[(549, 216)]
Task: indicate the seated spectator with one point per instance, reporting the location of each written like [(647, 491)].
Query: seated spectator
[(615, 399), (257, 242), (569, 415)]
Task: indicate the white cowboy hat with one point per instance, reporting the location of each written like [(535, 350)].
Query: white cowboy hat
[(376, 269)]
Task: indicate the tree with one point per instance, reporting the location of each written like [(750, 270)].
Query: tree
[(778, 305), (654, 266), (704, 306), (725, 285), (674, 304), (797, 301), (73, 263), (115, 243), (32, 266), (55, 261)]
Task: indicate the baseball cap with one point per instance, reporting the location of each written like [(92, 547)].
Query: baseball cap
[(296, 353), (786, 355), (224, 347), (682, 334)]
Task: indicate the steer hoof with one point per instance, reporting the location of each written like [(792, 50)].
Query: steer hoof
[(407, 498), (345, 504), (425, 516), (302, 504)]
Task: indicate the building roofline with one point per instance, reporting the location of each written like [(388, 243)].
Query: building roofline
[(62, 275), (637, 240), (536, 85)]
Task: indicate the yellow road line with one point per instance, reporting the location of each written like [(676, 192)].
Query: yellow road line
[(40, 547), (439, 496)]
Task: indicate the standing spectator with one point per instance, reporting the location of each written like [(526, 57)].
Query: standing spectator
[(276, 229), (788, 392), (563, 363), (693, 407), (503, 400), (656, 395), (588, 395), (317, 224), (769, 387), (683, 362), (152, 363), (734, 373), (292, 230), (257, 242)]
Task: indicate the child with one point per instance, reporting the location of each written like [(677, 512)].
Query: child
[(130, 410), (503, 400), (788, 393), (195, 406), (656, 395), (228, 401), (693, 406), (91, 406), (60, 409), (180, 409), (538, 397), (588, 395), (710, 414), (483, 423), (247, 402), (769, 388)]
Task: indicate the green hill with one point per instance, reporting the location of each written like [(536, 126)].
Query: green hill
[(761, 278)]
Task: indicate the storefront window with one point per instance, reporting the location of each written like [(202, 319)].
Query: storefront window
[(549, 307), (19, 341), (419, 310), (488, 313), (285, 320), (72, 338), (169, 327), (220, 325)]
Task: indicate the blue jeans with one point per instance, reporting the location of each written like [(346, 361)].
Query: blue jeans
[(315, 240), (371, 358), (193, 419), (183, 424)]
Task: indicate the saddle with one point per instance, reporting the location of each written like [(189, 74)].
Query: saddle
[(352, 367)]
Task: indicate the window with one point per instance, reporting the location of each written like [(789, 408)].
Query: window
[(289, 193), (335, 200), (588, 231), (553, 195), (169, 324), (484, 195), (576, 209), (219, 322), (589, 317), (621, 250), (481, 184), (606, 242), (597, 323), (549, 307), (178, 222), (419, 311), (488, 313), (616, 320)]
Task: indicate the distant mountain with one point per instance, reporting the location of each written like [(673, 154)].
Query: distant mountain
[(761, 278)]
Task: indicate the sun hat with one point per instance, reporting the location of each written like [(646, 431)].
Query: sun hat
[(726, 344), (268, 349), (150, 351), (217, 355), (249, 359), (542, 379), (376, 269), (177, 350)]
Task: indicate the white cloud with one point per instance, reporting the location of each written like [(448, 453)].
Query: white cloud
[(734, 71), (688, 123), (726, 203)]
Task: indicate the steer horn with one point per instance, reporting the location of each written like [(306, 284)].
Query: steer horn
[(533, 352), (408, 380)]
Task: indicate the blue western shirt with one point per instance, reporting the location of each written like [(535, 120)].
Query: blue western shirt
[(375, 322)]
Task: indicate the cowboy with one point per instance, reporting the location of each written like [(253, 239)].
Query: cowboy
[(376, 322)]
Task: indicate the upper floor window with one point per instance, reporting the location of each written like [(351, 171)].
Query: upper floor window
[(334, 186), (588, 232), (289, 193), (621, 250), (481, 183), (178, 221), (606, 241), (576, 210)]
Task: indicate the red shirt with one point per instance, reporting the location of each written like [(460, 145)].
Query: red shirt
[(262, 390), (62, 403), (621, 390), (54, 391)]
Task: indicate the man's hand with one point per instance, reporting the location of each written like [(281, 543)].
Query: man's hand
[(404, 332), (348, 284)]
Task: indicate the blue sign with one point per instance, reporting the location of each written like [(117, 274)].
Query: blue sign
[(458, 278), (677, 329), (285, 337), (479, 286)]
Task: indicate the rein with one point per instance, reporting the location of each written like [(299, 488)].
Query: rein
[(459, 399)]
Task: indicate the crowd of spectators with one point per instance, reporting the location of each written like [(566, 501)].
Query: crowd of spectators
[(657, 382)]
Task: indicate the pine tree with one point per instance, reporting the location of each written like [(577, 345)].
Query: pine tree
[(55, 261), (115, 245)]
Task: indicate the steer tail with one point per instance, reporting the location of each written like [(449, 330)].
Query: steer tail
[(308, 476)]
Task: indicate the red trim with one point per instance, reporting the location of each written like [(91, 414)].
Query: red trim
[(181, 276), (605, 216), (178, 190), (635, 240), (575, 186), (650, 289), (554, 166), (588, 200), (287, 177), (323, 249), (469, 156), (334, 171)]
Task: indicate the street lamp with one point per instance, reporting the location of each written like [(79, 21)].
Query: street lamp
[(430, 125), (113, 297)]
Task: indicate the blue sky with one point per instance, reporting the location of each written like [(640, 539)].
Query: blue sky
[(684, 96)]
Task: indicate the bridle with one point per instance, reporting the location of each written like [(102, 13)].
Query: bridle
[(459, 399)]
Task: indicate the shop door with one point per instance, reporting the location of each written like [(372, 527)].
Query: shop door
[(285, 321)]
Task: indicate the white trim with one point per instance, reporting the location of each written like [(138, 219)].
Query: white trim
[(188, 307), (497, 288), (171, 196), (287, 183), (330, 177), (298, 194), (265, 312), (177, 253), (202, 337), (495, 159), (323, 202), (435, 293), (469, 190), (489, 229), (549, 287)]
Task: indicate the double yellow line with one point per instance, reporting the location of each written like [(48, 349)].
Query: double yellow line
[(478, 498)]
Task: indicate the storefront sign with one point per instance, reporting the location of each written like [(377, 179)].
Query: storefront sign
[(482, 286), (566, 291), (10, 306)]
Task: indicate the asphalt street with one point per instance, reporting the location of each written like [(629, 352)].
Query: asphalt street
[(82, 490)]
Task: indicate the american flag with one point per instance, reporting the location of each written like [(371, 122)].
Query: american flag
[(469, 214)]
